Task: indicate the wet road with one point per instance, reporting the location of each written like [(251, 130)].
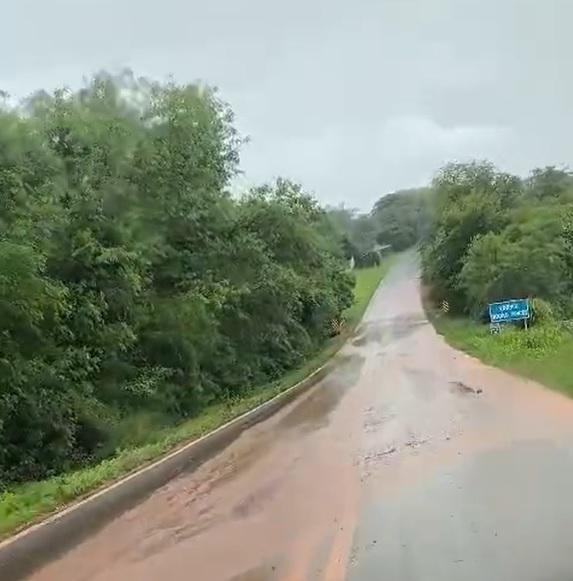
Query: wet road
[(410, 461)]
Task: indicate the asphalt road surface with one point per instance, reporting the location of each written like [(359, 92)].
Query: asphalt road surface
[(408, 462)]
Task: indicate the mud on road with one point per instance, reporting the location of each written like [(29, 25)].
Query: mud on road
[(409, 461)]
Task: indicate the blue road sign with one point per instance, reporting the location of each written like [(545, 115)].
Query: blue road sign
[(514, 310)]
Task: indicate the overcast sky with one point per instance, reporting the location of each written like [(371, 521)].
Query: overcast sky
[(353, 99)]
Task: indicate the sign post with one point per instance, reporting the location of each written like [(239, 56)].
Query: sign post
[(508, 311)]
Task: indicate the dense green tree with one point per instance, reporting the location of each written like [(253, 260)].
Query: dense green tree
[(549, 183), (471, 200), (495, 236), (524, 260), (131, 282), (400, 218)]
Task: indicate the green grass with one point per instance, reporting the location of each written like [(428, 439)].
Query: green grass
[(367, 280), (543, 353), (29, 502)]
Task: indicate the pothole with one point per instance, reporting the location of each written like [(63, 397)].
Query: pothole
[(464, 388)]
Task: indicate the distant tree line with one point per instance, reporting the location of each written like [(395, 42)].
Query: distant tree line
[(397, 221), (495, 236), (131, 281)]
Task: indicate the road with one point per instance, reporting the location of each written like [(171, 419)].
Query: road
[(408, 462)]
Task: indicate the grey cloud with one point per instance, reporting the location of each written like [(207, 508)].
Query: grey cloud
[(353, 99)]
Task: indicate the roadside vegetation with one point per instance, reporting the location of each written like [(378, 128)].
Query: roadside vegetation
[(141, 303), (135, 291), (543, 353), (23, 504), (492, 237)]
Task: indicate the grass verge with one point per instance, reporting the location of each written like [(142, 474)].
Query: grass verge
[(30, 502), (543, 353)]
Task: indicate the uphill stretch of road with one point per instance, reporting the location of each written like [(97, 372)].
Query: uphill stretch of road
[(408, 462)]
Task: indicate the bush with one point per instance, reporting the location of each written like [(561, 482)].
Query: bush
[(368, 260), (542, 312), (513, 342)]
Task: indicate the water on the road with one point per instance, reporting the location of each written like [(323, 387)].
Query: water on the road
[(408, 462)]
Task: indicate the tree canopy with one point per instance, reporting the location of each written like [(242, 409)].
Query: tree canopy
[(495, 236), (398, 221), (131, 280)]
